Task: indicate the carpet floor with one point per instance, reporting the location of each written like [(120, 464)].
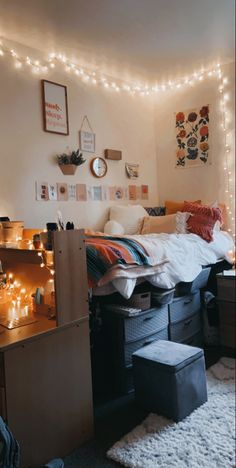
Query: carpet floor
[(206, 438)]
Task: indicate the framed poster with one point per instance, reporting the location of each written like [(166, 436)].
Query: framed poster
[(55, 108), (87, 141)]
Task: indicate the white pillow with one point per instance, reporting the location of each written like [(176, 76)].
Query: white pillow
[(114, 228), (181, 219), (129, 216)]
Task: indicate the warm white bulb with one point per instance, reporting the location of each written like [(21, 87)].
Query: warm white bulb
[(1, 52), (52, 65)]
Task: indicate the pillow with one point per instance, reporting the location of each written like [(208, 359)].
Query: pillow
[(129, 216), (181, 219), (203, 219), (169, 224), (173, 206), (156, 210), (223, 210), (159, 224), (113, 228)]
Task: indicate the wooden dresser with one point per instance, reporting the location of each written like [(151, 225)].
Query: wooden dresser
[(45, 370), (226, 295)]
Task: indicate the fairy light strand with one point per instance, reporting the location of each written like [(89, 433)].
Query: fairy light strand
[(94, 77)]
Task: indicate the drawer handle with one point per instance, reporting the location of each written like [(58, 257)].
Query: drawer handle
[(144, 295), (148, 318), (188, 302), (187, 322)]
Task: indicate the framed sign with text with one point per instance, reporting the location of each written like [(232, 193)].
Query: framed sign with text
[(55, 108)]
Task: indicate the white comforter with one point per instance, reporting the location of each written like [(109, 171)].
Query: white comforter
[(175, 258)]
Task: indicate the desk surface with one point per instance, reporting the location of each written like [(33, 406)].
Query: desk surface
[(22, 335)]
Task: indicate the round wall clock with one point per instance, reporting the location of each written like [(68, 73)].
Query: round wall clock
[(98, 167)]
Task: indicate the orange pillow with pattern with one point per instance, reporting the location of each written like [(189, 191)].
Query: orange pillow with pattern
[(203, 219), (173, 206)]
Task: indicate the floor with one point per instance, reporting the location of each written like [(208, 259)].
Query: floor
[(114, 417)]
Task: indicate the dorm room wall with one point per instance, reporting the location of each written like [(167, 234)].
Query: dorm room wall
[(120, 121), (207, 183)]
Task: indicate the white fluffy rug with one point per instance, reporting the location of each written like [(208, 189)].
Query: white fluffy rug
[(205, 439)]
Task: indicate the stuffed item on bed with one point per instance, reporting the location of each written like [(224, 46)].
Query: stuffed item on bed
[(156, 210)]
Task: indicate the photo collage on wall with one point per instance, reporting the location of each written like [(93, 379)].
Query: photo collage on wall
[(192, 137), (83, 192)]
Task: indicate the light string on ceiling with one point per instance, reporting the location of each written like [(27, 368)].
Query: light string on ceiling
[(94, 77)]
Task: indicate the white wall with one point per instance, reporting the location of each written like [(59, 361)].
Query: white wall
[(208, 182), (120, 122)]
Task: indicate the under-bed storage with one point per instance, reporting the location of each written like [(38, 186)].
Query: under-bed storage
[(124, 335), (185, 319)]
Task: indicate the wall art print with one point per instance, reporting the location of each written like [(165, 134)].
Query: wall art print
[(192, 137)]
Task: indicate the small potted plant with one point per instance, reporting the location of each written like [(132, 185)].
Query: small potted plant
[(68, 162)]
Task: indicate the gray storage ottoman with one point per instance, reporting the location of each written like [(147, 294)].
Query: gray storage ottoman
[(169, 378)]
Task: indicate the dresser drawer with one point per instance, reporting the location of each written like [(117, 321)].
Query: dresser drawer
[(182, 331), (183, 307), (145, 324), (130, 348), (226, 289)]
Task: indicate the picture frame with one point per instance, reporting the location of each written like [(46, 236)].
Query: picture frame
[(55, 108), (87, 141)]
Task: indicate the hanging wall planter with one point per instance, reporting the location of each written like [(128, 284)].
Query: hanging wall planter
[(68, 169), (68, 162)]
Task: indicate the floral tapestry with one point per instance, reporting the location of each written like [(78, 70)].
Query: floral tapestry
[(192, 137)]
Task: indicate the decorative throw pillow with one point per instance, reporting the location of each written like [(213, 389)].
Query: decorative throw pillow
[(181, 220), (113, 228), (156, 210), (159, 224), (223, 210), (174, 206), (129, 216), (203, 219)]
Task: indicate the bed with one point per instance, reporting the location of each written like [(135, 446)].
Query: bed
[(118, 264)]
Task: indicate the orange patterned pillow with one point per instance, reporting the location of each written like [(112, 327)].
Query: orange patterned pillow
[(173, 206), (203, 219)]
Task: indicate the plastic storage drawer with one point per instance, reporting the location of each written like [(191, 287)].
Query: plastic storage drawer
[(195, 340), (130, 348), (145, 323), (182, 331), (183, 307)]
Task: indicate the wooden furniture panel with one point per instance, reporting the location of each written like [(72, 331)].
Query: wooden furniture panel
[(48, 388), (226, 288), (71, 285)]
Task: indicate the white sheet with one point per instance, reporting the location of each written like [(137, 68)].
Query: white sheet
[(176, 257)]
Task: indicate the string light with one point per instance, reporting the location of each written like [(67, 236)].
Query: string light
[(88, 76), (229, 182)]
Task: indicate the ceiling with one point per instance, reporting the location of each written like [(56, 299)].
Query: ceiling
[(148, 39)]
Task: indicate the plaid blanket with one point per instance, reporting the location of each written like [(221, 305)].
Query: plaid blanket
[(104, 252)]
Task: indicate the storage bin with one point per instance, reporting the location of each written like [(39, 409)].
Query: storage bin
[(130, 348), (182, 331), (170, 379), (199, 282), (183, 307), (140, 300), (161, 296), (146, 323)]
